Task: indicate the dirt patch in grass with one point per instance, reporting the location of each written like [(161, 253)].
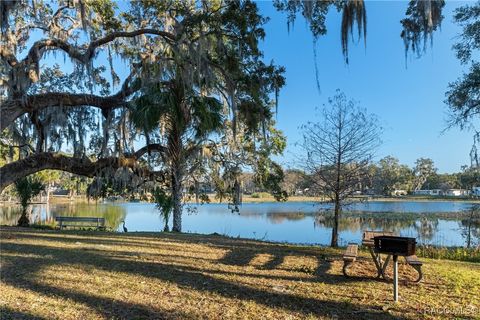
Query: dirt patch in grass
[(95, 275)]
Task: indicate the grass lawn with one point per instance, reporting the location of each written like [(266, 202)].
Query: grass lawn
[(99, 275)]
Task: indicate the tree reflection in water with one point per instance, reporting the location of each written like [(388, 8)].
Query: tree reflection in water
[(45, 214), (470, 226), (426, 229), (9, 215), (357, 223), (439, 228), (279, 217)]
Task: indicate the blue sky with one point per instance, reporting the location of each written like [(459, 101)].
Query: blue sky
[(407, 95)]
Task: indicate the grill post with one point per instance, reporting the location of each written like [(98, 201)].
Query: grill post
[(395, 246), (395, 278)]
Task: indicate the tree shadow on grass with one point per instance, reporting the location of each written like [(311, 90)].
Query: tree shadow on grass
[(275, 262), (109, 308), (19, 273), (137, 239), (83, 237), (244, 255), (10, 314), (183, 276)]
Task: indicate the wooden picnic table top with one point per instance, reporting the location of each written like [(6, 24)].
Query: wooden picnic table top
[(368, 236)]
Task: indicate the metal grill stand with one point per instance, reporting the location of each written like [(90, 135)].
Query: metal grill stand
[(395, 278), (394, 246)]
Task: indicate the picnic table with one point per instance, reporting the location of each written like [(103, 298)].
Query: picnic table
[(381, 265), (367, 241)]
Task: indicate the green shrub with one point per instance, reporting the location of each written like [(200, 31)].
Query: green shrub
[(43, 226), (260, 195), (26, 189), (449, 253)]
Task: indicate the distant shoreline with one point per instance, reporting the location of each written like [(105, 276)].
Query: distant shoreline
[(364, 198), (265, 199)]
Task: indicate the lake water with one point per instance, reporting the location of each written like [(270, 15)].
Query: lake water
[(437, 223)]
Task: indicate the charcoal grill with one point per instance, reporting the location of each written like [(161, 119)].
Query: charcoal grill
[(395, 246)]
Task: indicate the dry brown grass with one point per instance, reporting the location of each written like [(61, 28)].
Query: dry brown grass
[(95, 275)]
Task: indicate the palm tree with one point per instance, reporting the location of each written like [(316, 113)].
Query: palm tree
[(26, 189), (186, 119), (193, 88), (164, 203)]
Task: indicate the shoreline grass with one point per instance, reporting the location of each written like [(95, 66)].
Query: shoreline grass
[(97, 275)]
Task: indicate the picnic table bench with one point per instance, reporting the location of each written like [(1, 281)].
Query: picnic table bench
[(351, 253), (88, 222), (349, 256), (416, 264)]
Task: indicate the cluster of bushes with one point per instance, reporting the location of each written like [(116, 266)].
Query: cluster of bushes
[(51, 226), (449, 253), (261, 195)]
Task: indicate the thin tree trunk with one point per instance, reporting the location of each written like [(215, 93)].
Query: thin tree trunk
[(24, 221), (336, 217), (166, 228), (175, 150), (237, 193), (47, 191), (338, 187), (177, 200), (469, 230)]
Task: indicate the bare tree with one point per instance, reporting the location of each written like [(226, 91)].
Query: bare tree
[(339, 149)]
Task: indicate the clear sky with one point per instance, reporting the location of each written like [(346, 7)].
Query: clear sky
[(407, 95)]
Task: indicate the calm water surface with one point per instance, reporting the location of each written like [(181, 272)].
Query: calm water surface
[(295, 222)]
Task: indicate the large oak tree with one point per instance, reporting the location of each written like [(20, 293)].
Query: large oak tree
[(463, 96), (194, 69)]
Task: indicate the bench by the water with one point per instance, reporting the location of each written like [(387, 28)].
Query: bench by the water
[(351, 254), (81, 222)]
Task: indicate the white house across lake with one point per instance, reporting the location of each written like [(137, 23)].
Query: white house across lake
[(432, 192), (476, 191), (448, 192)]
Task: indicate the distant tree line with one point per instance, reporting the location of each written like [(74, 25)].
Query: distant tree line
[(384, 177), (387, 176)]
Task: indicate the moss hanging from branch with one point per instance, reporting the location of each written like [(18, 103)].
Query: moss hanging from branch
[(423, 18), (5, 7), (474, 153), (353, 12)]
